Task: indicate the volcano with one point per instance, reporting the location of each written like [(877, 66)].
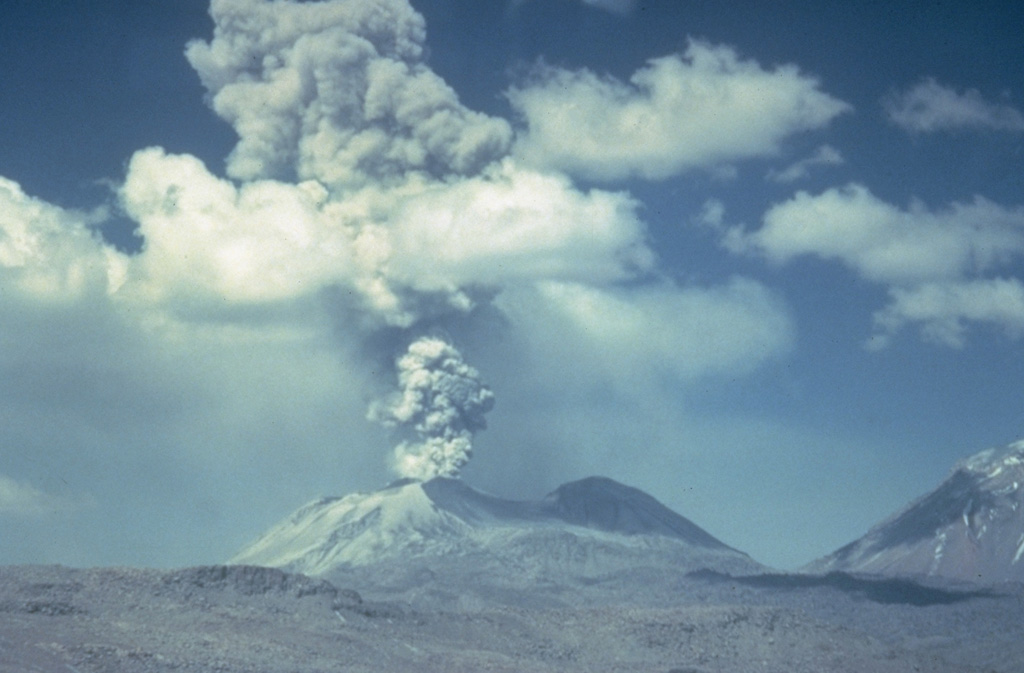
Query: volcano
[(970, 528), (443, 537)]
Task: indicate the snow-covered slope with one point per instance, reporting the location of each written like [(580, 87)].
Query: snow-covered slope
[(443, 532), (969, 528), (398, 521)]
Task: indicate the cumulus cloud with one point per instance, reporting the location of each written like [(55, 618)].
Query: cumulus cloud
[(888, 244), (826, 155), (701, 109), (514, 225), (208, 240), (206, 237), (942, 309), (939, 265), (50, 254), (929, 106)]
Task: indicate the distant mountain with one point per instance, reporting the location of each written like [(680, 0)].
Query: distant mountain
[(970, 528), (445, 538)]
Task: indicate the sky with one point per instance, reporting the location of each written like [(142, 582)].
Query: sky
[(760, 260)]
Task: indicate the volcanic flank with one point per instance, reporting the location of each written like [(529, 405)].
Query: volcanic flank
[(443, 533), (970, 528)]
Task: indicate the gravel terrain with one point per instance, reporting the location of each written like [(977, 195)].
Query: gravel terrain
[(241, 618)]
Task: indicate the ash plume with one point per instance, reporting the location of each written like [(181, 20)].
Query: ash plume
[(442, 400)]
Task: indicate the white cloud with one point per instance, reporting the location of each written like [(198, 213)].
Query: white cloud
[(943, 309), (938, 265), (929, 106), (711, 215), (21, 499), (647, 335), (615, 6), (701, 109), (209, 241), (888, 244), (826, 155), (207, 238), (622, 7), (512, 226), (49, 254)]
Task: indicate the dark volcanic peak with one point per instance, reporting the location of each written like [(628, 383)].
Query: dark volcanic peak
[(971, 527), (605, 504), (597, 503)]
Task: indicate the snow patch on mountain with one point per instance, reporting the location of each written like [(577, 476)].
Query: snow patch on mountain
[(357, 529), (444, 533)]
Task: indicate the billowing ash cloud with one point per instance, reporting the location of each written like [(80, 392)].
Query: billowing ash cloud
[(359, 174), (357, 167), (362, 199), (336, 91), (443, 401)]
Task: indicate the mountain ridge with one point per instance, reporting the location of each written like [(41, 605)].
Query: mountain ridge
[(969, 528), (414, 536)]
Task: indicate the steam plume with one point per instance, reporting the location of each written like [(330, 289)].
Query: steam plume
[(443, 401)]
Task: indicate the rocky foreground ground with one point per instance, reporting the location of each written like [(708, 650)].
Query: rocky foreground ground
[(238, 618)]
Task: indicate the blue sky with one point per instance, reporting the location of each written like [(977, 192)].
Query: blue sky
[(762, 261)]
